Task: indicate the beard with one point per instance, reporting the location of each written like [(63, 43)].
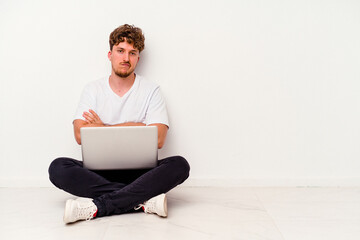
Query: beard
[(123, 74)]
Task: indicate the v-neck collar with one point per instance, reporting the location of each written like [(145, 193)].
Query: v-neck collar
[(127, 93)]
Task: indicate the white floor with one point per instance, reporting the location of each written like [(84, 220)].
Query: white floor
[(194, 213)]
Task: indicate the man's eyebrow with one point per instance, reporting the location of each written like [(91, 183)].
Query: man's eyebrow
[(121, 48)]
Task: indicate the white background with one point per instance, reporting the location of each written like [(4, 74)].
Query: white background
[(258, 92)]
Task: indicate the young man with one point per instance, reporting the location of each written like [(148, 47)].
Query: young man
[(123, 99)]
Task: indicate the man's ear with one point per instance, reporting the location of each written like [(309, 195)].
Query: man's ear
[(109, 55)]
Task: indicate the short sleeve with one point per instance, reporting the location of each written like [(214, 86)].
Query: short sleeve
[(156, 112), (87, 101)]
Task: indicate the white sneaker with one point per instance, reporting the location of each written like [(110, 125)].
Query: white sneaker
[(79, 209), (157, 205)]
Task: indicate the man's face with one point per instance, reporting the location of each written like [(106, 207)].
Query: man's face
[(124, 58)]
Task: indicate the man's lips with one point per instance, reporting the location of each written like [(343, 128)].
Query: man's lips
[(125, 64)]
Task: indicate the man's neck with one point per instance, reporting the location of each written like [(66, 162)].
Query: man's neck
[(121, 85)]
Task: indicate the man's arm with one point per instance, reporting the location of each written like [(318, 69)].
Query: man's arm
[(162, 132), (79, 123), (93, 120)]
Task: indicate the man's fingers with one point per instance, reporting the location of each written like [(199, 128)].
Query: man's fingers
[(92, 117), (94, 114), (88, 117)]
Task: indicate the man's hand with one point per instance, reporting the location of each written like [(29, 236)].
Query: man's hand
[(92, 118)]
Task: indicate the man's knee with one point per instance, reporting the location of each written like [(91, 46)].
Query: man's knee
[(181, 166), (57, 170)]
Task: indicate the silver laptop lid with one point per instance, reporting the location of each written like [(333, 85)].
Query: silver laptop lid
[(105, 148)]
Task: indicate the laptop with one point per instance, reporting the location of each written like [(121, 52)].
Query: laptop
[(108, 148)]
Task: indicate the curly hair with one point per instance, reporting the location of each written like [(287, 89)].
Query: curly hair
[(130, 33)]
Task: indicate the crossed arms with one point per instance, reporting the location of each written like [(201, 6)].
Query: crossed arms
[(93, 120)]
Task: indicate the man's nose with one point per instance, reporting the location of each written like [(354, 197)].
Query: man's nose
[(126, 57)]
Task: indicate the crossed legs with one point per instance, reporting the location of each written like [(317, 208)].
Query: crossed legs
[(118, 191)]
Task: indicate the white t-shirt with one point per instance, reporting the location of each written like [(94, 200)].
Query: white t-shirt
[(142, 103)]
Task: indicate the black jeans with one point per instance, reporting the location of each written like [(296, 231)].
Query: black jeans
[(118, 191)]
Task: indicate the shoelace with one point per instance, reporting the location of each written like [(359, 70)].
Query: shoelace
[(148, 206), (86, 213), (139, 206)]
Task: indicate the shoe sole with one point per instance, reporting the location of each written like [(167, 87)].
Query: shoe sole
[(165, 206), (164, 202), (68, 211)]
